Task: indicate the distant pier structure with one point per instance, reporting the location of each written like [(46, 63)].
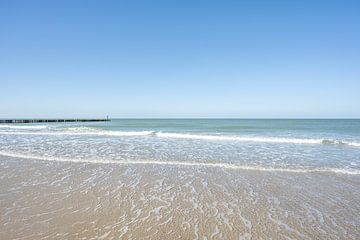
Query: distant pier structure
[(53, 120)]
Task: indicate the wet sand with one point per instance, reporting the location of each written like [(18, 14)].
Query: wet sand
[(65, 200)]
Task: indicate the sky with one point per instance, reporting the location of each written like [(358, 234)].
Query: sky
[(180, 59)]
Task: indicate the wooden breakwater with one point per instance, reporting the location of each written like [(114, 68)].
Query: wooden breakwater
[(52, 120)]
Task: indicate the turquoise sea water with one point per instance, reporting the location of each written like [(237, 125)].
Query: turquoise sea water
[(259, 144)]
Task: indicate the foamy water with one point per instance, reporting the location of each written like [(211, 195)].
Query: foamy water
[(22, 127), (264, 145)]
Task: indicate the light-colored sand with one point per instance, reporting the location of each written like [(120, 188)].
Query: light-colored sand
[(52, 200)]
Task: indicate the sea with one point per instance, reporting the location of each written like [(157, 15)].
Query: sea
[(290, 145)]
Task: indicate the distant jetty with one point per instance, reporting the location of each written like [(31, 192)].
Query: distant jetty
[(52, 120)]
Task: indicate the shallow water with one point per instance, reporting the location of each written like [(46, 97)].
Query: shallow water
[(65, 200)]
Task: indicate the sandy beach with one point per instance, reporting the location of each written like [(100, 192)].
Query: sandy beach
[(65, 200), (189, 120)]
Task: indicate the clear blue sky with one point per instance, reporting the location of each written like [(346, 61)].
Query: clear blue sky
[(179, 58)]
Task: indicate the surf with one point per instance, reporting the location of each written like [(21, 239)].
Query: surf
[(80, 133), (256, 139), (87, 131), (185, 164), (23, 127)]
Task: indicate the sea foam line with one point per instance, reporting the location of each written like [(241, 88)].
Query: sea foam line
[(23, 127), (256, 139), (177, 163), (92, 133), (190, 136), (239, 138)]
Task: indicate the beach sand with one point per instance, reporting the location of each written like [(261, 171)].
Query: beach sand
[(65, 200)]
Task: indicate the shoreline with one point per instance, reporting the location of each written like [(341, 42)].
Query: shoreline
[(186, 164), (74, 200)]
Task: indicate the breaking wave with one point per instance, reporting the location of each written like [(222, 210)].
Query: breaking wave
[(98, 132), (23, 127), (82, 133), (256, 139)]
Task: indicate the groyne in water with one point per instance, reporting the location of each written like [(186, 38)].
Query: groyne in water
[(53, 120)]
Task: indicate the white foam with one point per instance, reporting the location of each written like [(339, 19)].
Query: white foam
[(92, 133), (240, 138), (256, 139), (23, 127), (96, 132), (121, 133), (81, 129), (189, 164), (353, 144)]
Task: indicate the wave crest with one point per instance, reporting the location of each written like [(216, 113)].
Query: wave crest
[(23, 127), (256, 139), (99, 132), (82, 133)]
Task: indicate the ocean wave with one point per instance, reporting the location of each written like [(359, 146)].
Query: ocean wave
[(81, 129), (81, 133), (23, 127), (256, 139), (96, 131), (339, 142), (238, 138), (189, 164)]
